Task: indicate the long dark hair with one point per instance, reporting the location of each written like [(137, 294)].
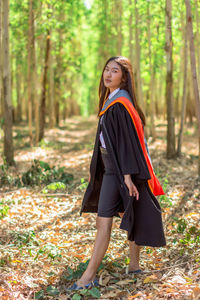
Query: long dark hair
[(128, 84)]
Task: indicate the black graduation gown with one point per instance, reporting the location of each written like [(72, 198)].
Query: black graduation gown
[(142, 218)]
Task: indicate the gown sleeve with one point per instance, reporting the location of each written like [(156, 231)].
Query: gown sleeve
[(125, 142)]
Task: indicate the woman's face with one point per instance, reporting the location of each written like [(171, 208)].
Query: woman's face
[(112, 76)]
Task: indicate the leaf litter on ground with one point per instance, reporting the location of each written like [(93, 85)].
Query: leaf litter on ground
[(45, 244)]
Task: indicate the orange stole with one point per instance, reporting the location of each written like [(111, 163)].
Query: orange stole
[(153, 183)]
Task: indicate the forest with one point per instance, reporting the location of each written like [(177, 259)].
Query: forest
[(51, 58)]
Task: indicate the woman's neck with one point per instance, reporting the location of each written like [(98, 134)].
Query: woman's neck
[(112, 90)]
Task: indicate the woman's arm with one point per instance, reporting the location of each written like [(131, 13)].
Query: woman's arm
[(131, 186)]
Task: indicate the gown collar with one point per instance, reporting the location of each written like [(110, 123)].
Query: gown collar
[(117, 94)]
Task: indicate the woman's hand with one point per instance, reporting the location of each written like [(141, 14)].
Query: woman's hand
[(131, 186)]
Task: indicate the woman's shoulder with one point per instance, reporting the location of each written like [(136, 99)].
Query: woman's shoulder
[(116, 106), (117, 109), (124, 93)]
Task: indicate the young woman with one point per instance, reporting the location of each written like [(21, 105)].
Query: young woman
[(122, 182)]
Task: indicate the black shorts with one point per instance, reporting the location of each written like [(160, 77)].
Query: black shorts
[(110, 202)]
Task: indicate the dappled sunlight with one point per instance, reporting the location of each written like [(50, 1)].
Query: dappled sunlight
[(44, 236)]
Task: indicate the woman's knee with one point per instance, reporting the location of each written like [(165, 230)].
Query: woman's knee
[(104, 224)]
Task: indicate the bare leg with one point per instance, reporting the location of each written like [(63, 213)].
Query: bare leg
[(134, 253), (104, 226)]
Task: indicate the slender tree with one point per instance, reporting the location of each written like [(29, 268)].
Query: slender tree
[(152, 80), (51, 90), (193, 68), (183, 107), (169, 84), (131, 41), (8, 140), (18, 90), (119, 17), (197, 37), (137, 58), (1, 67), (30, 81), (44, 88)]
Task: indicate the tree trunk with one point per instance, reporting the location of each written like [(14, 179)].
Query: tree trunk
[(137, 58), (57, 111), (131, 41), (18, 89), (35, 100), (159, 96), (119, 13), (190, 101), (51, 91), (179, 88), (197, 37), (8, 140), (152, 85), (193, 68), (1, 67), (58, 79), (30, 81), (183, 108), (169, 85), (43, 94)]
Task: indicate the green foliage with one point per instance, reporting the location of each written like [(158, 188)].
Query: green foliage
[(76, 297), (6, 179), (188, 132), (5, 259), (3, 210), (181, 225), (165, 183), (52, 251), (52, 291), (79, 270), (2, 262), (84, 34), (149, 250), (127, 260), (26, 238), (185, 233), (54, 186), (41, 173), (83, 184), (1, 122), (164, 200), (94, 292), (39, 295)]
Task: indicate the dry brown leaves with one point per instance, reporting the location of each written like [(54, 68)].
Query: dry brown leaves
[(42, 236)]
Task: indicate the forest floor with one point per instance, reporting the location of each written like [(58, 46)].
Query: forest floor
[(45, 244)]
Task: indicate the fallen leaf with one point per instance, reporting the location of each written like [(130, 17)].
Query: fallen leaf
[(196, 293), (63, 297), (135, 296), (124, 282), (178, 279), (104, 278), (111, 294), (149, 279)]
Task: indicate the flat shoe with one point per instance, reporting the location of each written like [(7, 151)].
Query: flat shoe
[(139, 271), (90, 284)]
